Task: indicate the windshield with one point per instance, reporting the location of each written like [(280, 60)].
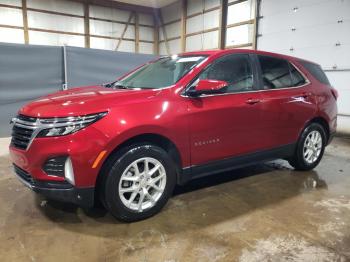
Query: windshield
[(164, 72)]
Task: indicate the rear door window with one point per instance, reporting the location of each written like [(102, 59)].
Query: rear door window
[(278, 73)]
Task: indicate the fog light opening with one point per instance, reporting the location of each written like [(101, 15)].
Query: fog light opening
[(68, 171)]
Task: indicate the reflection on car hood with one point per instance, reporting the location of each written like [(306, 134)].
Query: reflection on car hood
[(85, 100)]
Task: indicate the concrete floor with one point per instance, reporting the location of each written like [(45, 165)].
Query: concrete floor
[(263, 213)]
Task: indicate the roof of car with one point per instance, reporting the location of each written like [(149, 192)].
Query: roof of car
[(237, 50)]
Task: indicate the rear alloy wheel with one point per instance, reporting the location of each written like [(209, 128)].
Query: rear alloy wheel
[(138, 182), (310, 148)]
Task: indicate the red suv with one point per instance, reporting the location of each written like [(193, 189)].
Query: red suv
[(129, 142)]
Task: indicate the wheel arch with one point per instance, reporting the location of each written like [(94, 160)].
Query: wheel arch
[(323, 122), (152, 138)]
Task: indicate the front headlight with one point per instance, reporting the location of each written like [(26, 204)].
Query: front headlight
[(60, 126)]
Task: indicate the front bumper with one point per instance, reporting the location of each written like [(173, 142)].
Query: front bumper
[(57, 190)]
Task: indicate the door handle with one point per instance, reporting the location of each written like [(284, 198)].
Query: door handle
[(305, 95), (252, 101)]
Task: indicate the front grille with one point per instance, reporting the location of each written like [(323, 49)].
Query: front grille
[(23, 174), (27, 118), (22, 131), (55, 166)]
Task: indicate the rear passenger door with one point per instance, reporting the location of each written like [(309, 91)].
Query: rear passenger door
[(287, 102)]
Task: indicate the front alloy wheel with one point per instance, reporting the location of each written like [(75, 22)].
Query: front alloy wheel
[(142, 184), (137, 182)]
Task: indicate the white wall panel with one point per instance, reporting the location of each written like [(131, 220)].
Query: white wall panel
[(343, 124), (203, 22), (55, 22), (146, 19), (211, 3), (171, 12), (194, 24), (240, 12), (341, 81), (130, 32), (175, 46), (109, 13), (335, 33), (146, 48), (239, 35), (198, 23), (67, 7), (127, 46), (106, 28), (146, 33), (202, 41), (10, 35), (11, 16), (11, 2), (102, 43), (269, 8), (161, 35), (110, 44), (173, 30), (43, 38), (211, 19), (306, 16), (210, 40), (162, 49), (194, 6), (194, 43), (111, 29)]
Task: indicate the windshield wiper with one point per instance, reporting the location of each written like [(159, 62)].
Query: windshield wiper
[(116, 84)]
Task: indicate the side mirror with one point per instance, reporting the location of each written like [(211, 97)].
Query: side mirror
[(207, 87)]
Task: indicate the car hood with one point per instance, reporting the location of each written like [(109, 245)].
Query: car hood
[(85, 100)]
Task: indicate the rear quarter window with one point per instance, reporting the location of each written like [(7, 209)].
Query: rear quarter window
[(316, 71)]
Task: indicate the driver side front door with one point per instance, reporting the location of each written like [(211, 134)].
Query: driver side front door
[(226, 125)]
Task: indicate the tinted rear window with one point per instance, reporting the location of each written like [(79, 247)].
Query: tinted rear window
[(279, 73), (275, 72), (316, 71)]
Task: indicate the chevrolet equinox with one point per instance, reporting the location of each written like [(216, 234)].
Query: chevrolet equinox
[(127, 143)]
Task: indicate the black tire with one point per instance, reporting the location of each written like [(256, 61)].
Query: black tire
[(114, 170), (298, 161)]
